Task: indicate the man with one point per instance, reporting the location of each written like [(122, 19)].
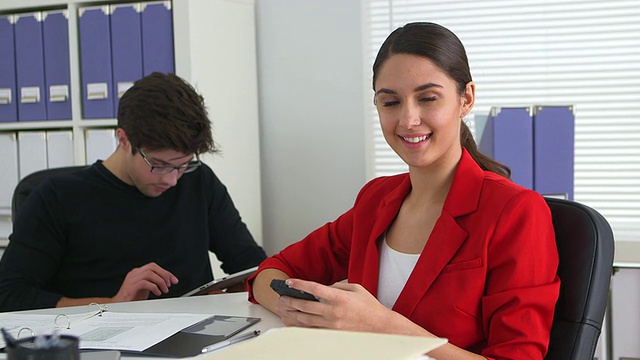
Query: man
[(137, 225)]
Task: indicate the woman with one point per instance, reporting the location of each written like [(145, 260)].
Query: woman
[(452, 249)]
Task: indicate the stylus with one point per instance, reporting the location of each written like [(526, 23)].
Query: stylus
[(234, 340)]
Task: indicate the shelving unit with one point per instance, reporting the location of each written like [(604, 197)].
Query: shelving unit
[(214, 47), (76, 124)]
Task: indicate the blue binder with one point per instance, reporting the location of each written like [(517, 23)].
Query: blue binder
[(95, 62), (30, 67), (157, 38), (554, 136), (508, 138), (126, 48), (8, 97), (56, 65)]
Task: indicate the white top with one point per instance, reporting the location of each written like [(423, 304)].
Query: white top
[(395, 268)]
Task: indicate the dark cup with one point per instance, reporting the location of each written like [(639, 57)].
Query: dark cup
[(63, 347)]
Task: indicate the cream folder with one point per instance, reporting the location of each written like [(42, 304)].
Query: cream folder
[(100, 143), (8, 170), (60, 148), (322, 344), (32, 152)]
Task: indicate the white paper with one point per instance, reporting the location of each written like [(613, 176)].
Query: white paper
[(110, 331)]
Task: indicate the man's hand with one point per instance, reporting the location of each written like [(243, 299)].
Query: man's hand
[(139, 282)]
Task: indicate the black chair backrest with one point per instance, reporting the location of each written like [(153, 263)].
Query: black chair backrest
[(31, 181), (585, 246)]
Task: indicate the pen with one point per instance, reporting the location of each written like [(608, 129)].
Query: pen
[(224, 343)]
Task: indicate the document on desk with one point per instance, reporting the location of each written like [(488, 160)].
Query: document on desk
[(322, 344), (108, 331)]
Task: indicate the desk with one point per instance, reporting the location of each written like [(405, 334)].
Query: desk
[(222, 304), (623, 314)]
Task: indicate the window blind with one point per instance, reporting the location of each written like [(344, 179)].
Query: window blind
[(561, 52)]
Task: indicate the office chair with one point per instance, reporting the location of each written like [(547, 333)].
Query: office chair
[(585, 246), (31, 181)]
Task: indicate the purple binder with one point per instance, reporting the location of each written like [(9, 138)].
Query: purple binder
[(157, 38), (30, 67), (508, 138), (95, 62), (8, 97), (554, 136), (126, 48), (56, 65)]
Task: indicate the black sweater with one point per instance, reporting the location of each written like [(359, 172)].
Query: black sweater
[(79, 234)]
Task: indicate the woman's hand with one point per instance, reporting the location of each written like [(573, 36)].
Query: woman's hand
[(342, 306), (351, 307)]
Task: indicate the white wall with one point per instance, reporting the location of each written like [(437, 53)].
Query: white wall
[(312, 127), (216, 53)]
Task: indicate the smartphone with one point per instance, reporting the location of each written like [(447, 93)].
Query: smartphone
[(283, 289)]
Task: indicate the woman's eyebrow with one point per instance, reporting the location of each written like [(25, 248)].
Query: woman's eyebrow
[(417, 89), (428, 86), (386, 91)]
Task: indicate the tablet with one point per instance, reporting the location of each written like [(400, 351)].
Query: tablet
[(223, 282)]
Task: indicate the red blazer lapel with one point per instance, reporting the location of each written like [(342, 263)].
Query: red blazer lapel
[(385, 214), (447, 236)]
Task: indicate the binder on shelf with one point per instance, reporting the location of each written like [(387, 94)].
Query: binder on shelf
[(9, 175), (126, 48), (508, 138), (157, 38), (56, 64), (32, 152), (99, 144), (95, 62), (8, 98), (554, 136), (30, 67), (60, 149)]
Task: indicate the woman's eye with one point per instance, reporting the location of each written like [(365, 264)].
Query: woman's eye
[(390, 103), (427, 99)]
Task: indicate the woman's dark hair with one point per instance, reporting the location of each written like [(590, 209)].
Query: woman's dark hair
[(162, 111), (445, 50)]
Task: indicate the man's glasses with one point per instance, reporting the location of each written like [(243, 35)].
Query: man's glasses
[(165, 169)]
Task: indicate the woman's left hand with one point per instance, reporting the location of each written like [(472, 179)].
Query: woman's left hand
[(342, 306)]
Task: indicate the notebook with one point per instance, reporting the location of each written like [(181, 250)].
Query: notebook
[(190, 341)]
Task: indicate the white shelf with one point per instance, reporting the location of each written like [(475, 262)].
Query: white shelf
[(58, 124), (215, 50)]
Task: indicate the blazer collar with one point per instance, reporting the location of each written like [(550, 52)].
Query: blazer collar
[(463, 196), (464, 193), (447, 236)]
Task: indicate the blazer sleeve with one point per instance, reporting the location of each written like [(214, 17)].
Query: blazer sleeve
[(322, 256), (521, 286)]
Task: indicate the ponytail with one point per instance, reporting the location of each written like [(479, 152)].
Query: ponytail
[(485, 162)]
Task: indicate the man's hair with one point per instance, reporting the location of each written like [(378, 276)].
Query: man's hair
[(163, 111)]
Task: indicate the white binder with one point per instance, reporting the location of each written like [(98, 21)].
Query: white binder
[(9, 173), (99, 144), (32, 152), (60, 148)]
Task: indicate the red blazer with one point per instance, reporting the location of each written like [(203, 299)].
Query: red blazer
[(486, 279)]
